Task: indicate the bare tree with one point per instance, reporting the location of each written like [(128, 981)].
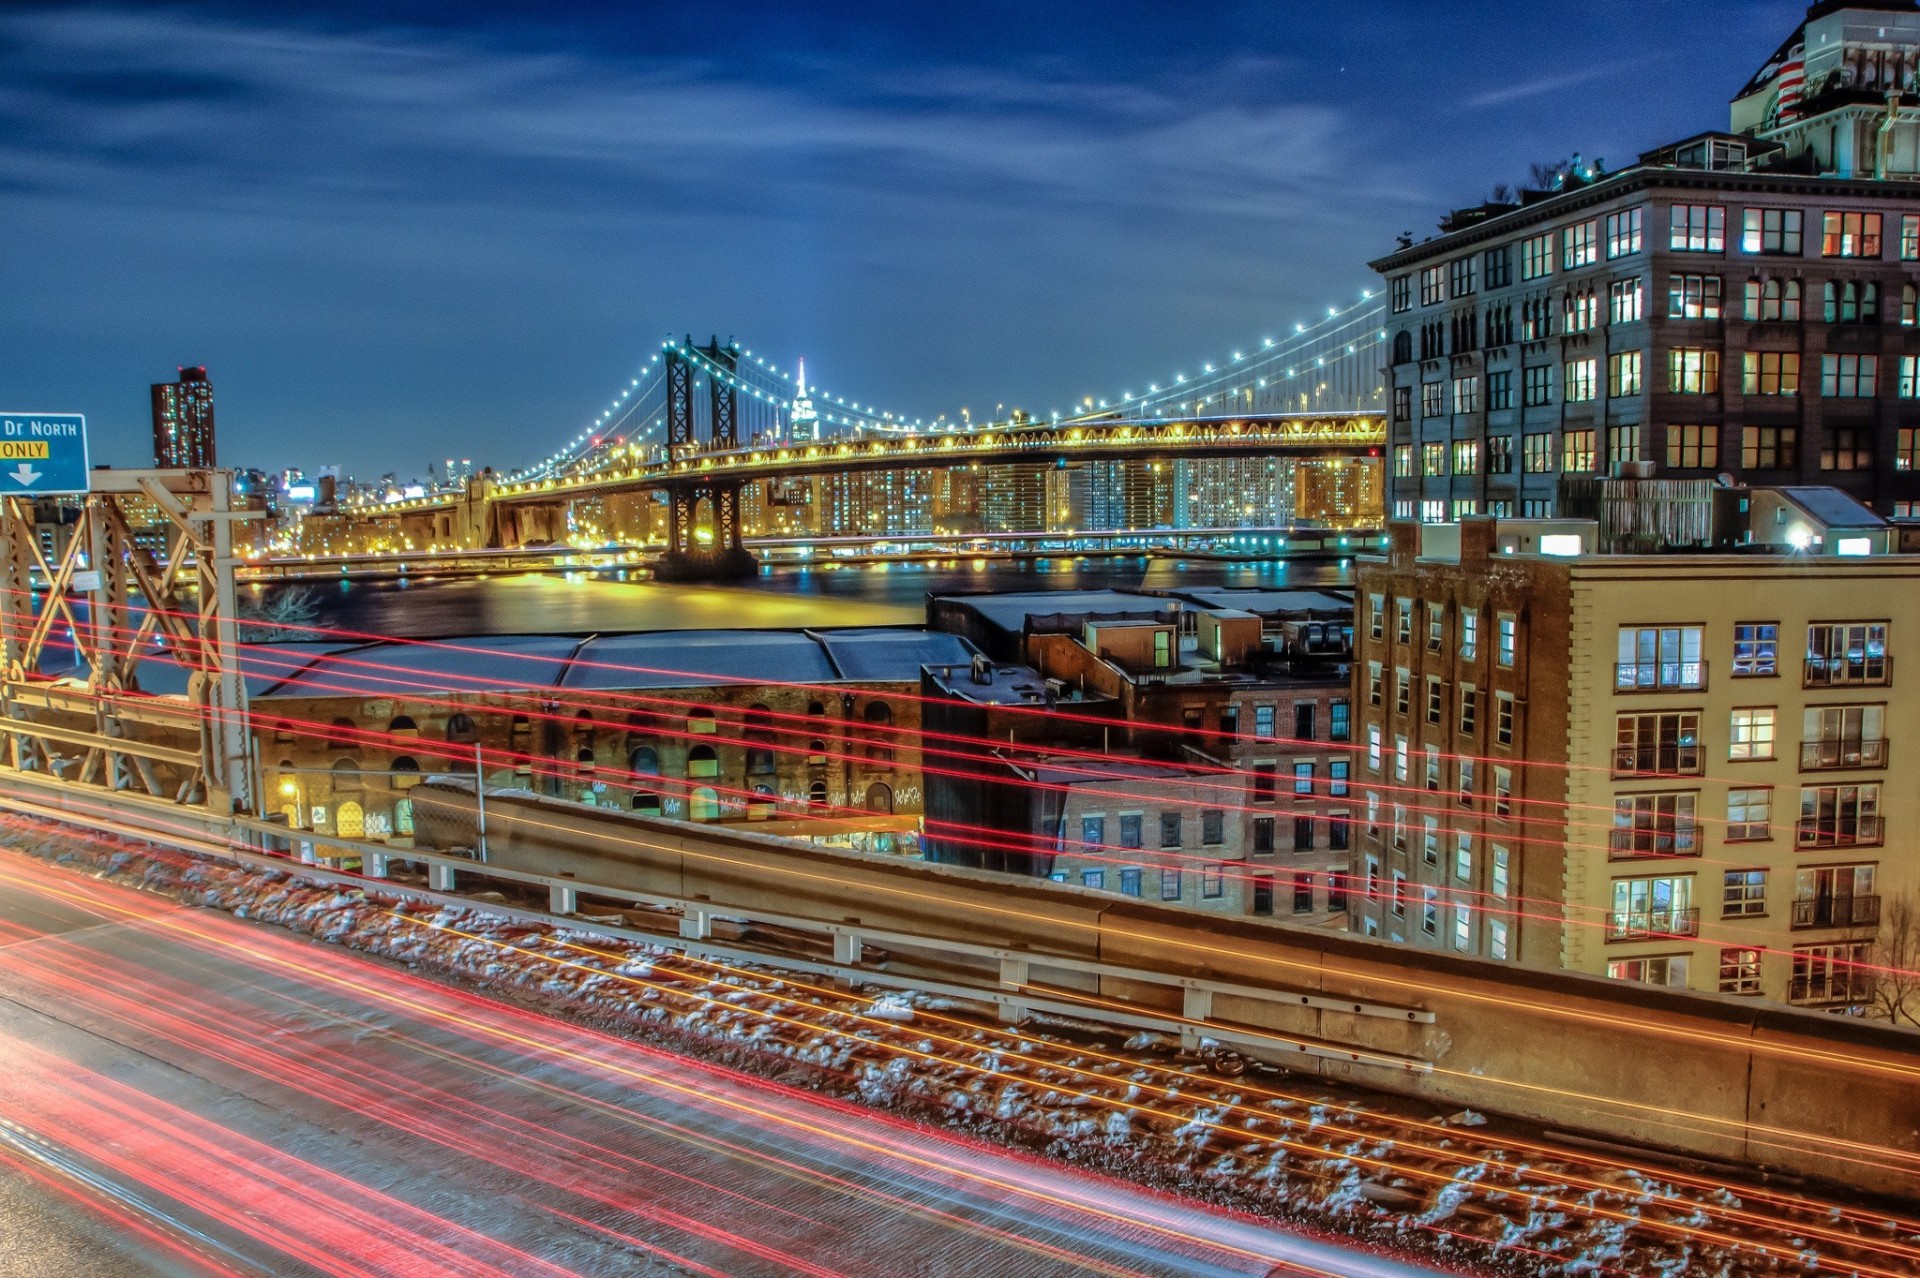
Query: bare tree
[(1544, 174), (1896, 953), (284, 614), (1503, 193)]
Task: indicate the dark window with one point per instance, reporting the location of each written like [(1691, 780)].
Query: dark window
[(1500, 389), (1498, 271), (1130, 830), (1303, 721), (1303, 834), (1264, 787), (1263, 834)]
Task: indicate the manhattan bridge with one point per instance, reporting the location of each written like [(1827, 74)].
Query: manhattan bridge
[(701, 432)]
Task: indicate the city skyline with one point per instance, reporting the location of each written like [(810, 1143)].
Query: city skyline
[(363, 250)]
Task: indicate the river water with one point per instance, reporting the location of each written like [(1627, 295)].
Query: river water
[(890, 594)]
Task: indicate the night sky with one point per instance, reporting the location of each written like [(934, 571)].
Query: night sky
[(397, 232)]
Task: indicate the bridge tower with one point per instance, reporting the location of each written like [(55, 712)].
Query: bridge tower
[(725, 557)]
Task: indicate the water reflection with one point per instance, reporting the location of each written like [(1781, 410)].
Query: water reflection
[(821, 596)]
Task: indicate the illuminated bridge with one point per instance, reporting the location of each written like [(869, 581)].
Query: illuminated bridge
[(499, 513), (700, 423)]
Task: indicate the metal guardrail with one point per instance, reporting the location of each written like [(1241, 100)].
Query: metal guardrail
[(1016, 995), (1841, 754), (1836, 911), (1488, 1035)]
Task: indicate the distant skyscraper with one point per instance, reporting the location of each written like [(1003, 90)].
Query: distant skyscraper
[(183, 422), (806, 422), (1014, 498)]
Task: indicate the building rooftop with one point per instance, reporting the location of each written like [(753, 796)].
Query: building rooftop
[(1269, 603), (505, 663), (1012, 611), (1005, 685), (1831, 507), (262, 665), (891, 654)]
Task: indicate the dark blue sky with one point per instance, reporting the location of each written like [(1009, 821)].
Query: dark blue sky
[(398, 231)]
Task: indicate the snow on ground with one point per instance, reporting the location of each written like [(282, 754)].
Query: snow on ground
[(1269, 1142)]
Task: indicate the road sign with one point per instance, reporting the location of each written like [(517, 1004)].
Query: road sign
[(42, 453)]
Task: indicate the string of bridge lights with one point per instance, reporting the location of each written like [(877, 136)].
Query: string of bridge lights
[(1270, 352), (652, 373), (589, 442), (1237, 365)]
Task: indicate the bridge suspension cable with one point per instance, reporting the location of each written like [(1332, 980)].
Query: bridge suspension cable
[(1272, 371)]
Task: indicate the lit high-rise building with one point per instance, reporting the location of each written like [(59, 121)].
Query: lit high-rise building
[(1339, 493), (1014, 498), (1130, 494), (805, 422), (183, 422)]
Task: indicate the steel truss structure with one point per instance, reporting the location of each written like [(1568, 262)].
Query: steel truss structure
[(120, 605)]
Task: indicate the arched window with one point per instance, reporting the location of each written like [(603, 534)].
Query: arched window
[(350, 821), (879, 746), (700, 722), (644, 761), (703, 762), (406, 772), (646, 802), (519, 739), (879, 797), (761, 806), (461, 729), (340, 736), (1402, 347), (584, 757), (346, 774), (758, 732), (402, 726), (817, 752), (290, 795), (817, 794), (704, 804), (403, 817)]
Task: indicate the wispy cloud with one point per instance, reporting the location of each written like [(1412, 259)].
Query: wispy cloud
[(215, 107), (423, 205), (1555, 83)]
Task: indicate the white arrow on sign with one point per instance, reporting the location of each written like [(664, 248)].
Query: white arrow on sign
[(25, 474)]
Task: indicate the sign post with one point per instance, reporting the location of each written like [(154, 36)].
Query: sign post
[(43, 454)]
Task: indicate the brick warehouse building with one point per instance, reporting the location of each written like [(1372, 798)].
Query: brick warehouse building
[(1741, 303)]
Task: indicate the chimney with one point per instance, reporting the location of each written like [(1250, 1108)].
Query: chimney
[(1403, 543), (1478, 539), (982, 669)]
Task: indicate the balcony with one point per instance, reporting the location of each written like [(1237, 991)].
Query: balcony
[(1836, 911), (1859, 832), (1841, 754), (1656, 761), (1641, 925), (1654, 843), (1659, 676), (1851, 670), (1839, 988)]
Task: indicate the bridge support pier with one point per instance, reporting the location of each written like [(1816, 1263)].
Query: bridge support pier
[(721, 557)]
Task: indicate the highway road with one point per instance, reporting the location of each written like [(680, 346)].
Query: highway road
[(185, 1093)]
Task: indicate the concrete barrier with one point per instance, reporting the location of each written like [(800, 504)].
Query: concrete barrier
[(1711, 1076)]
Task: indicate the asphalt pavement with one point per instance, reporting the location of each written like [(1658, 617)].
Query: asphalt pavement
[(182, 1092)]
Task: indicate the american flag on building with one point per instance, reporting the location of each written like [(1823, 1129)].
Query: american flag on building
[(1793, 75)]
